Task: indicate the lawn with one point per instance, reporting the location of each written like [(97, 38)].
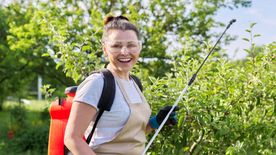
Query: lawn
[(32, 105), (35, 116)]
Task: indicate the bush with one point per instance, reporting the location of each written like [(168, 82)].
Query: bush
[(29, 135), (18, 117), (230, 108), (33, 138)]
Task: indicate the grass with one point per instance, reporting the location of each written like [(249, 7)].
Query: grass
[(33, 108), (33, 111), (33, 105)]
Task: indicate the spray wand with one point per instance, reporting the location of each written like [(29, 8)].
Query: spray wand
[(186, 88)]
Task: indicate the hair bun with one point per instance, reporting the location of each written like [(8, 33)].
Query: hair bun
[(110, 18), (121, 18)]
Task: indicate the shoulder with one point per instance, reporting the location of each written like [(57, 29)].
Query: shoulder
[(89, 91), (95, 76), (93, 80)]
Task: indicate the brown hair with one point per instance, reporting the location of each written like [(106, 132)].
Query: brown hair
[(118, 23)]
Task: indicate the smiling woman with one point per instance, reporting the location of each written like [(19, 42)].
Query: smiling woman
[(122, 130)]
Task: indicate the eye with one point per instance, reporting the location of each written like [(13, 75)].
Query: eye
[(132, 45), (116, 45)]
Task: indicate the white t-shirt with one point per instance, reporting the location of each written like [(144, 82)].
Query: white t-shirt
[(111, 122)]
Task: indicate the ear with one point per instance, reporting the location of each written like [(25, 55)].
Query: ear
[(104, 51)]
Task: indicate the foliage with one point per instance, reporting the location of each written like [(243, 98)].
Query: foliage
[(10, 80), (22, 43), (230, 109), (71, 31), (34, 138), (54, 38), (253, 50), (29, 129), (18, 117)]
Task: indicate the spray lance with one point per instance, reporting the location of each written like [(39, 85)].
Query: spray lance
[(186, 88)]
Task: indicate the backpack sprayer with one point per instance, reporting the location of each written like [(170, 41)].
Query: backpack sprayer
[(186, 88)]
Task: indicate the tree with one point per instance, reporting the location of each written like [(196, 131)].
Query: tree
[(76, 29), (22, 45), (68, 34)]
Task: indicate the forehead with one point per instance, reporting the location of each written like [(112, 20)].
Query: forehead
[(121, 35)]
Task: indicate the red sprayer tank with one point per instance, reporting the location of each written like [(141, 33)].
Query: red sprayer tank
[(59, 112)]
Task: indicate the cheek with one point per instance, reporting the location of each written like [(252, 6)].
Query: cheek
[(137, 56), (111, 56)]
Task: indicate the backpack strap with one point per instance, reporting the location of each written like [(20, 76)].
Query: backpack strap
[(108, 93), (137, 81), (106, 99)]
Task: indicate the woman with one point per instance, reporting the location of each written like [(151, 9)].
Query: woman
[(123, 129)]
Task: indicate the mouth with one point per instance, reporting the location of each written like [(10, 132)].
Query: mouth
[(124, 60)]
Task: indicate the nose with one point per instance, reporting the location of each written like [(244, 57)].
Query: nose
[(124, 50)]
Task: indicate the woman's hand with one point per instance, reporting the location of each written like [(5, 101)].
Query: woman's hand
[(156, 121)]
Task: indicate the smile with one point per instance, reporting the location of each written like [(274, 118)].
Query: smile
[(124, 60)]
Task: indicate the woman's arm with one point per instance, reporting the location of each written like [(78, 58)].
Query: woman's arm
[(80, 117)]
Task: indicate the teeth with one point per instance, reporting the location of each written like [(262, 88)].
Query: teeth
[(124, 59)]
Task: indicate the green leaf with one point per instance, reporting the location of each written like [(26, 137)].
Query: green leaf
[(85, 48), (256, 35), (247, 50), (252, 25), (246, 39), (45, 55)]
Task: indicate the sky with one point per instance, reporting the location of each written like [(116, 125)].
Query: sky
[(262, 12)]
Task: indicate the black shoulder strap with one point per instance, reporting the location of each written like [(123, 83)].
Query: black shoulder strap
[(108, 92), (106, 99), (137, 81)]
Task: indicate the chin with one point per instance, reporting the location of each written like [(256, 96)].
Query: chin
[(124, 69), (120, 67)]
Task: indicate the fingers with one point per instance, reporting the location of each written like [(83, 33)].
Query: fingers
[(173, 119), (164, 111), (168, 108), (176, 108)]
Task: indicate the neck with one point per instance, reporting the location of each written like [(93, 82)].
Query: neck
[(118, 73)]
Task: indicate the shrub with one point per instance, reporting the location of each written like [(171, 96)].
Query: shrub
[(230, 108), (33, 138), (28, 135)]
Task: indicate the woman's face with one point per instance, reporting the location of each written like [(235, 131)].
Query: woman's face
[(122, 49)]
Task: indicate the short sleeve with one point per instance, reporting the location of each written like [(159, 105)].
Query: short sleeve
[(90, 90)]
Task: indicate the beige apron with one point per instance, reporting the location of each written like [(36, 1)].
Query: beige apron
[(131, 139)]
